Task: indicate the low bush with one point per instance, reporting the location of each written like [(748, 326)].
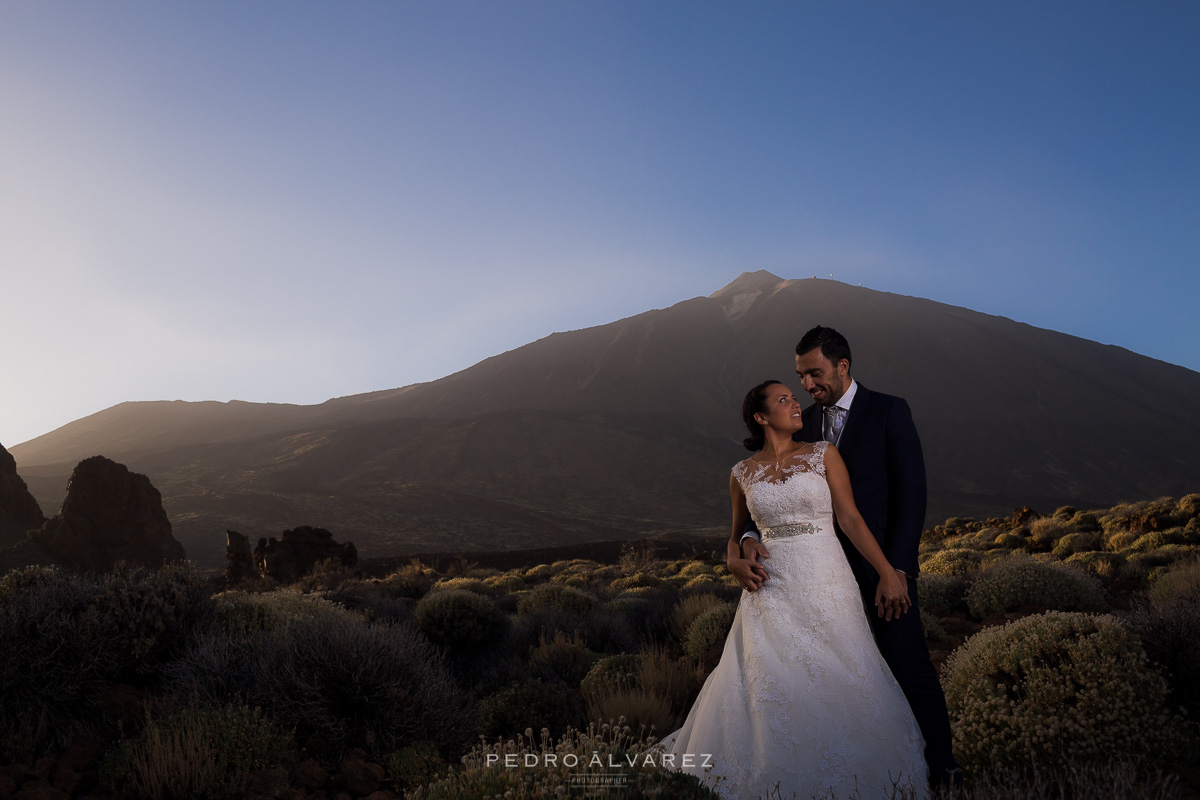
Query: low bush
[(201, 753), (413, 766), (339, 681), (945, 594), (565, 599), (1074, 543), (66, 636), (636, 580), (1056, 687), (562, 658), (933, 629), (460, 621), (708, 631), (412, 580), (610, 672), (686, 611), (1106, 566), (532, 703), (673, 678), (956, 561), (1022, 581)]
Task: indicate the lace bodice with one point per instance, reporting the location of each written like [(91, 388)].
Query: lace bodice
[(790, 494)]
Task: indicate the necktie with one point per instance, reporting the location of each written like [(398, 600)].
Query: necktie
[(835, 417)]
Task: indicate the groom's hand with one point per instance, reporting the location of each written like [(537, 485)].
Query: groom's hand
[(749, 570)]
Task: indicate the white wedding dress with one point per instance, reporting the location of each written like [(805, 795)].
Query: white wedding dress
[(801, 698)]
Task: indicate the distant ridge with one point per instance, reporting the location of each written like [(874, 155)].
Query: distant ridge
[(628, 429)]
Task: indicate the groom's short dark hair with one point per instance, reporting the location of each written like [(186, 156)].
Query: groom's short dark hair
[(833, 345)]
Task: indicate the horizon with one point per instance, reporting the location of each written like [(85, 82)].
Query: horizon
[(318, 202)]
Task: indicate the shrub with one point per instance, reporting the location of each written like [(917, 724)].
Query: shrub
[(1023, 581), (327, 574), (1012, 541), (538, 574), (531, 703), (1122, 779), (636, 706), (240, 614), (1171, 638), (709, 630), (412, 580), (686, 611), (956, 561), (1078, 543), (201, 753), (339, 681), (66, 636), (613, 671), (566, 599), (414, 766), (1065, 513), (1046, 531), (563, 658), (674, 679), (475, 585), (485, 773), (691, 569), (1179, 585), (1153, 541), (933, 629), (1086, 522), (1189, 505), (1052, 687), (944, 593), (460, 621), (637, 580), (1103, 565), (504, 584)]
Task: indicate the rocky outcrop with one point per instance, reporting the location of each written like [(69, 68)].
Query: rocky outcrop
[(19, 512), (110, 515), (297, 551), (239, 559)]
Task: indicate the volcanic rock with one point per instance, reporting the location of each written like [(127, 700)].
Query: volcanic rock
[(110, 515), (297, 551), (239, 559), (19, 512)]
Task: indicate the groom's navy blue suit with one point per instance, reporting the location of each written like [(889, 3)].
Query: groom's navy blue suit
[(882, 451)]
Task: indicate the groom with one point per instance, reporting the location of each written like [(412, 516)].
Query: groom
[(877, 439)]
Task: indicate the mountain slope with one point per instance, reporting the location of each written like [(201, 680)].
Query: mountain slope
[(630, 428)]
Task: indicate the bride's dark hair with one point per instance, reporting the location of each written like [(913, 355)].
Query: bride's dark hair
[(755, 403)]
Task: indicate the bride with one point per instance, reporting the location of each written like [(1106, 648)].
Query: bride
[(801, 699)]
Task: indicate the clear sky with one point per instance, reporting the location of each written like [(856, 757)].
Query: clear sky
[(291, 201)]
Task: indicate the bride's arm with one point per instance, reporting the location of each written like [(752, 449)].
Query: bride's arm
[(749, 573), (891, 597)]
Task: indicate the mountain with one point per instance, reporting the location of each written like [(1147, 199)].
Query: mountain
[(629, 429)]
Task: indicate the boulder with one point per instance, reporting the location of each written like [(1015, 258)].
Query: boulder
[(19, 512), (110, 515), (297, 551), (239, 559)]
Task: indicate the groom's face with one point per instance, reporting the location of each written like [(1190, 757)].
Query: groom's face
[(825, 381)]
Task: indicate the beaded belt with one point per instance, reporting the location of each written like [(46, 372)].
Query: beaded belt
[(781, 531)]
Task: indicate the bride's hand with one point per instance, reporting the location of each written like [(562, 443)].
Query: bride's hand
[(891, 596)]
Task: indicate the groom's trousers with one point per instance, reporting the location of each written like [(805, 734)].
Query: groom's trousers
[(902, 643)]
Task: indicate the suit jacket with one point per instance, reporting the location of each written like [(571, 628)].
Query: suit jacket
[(882, 451)]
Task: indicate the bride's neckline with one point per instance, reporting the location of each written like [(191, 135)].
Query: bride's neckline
[(811, 448)]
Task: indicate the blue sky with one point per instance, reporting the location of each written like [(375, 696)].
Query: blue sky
[(291, 201)]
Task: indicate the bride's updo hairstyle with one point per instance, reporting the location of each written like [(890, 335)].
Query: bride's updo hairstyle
[(755, 403)]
